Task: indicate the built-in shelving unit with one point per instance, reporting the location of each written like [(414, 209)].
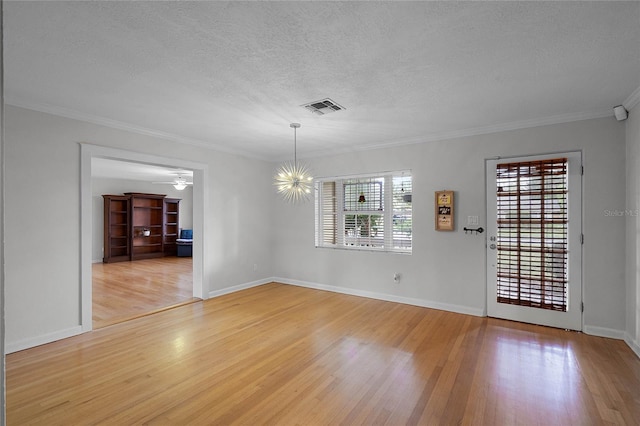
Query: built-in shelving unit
[(139, 226), (117, 245), (171, 223), (146, 225)]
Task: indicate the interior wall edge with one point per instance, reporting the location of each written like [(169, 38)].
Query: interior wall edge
[(459, 309), (603, 332), (634, 345), (239, 287), (43, 339)]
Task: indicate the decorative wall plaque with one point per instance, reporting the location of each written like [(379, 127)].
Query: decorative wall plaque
[(444, 210)]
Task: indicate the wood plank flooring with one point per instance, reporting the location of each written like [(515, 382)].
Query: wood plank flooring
[(279, 354), (126, 290)]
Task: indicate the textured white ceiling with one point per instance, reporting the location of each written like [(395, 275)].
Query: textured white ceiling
[(232, 75)]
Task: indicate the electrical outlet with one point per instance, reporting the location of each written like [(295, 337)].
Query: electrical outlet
[(472, 220), (255, 266), (396, 277)]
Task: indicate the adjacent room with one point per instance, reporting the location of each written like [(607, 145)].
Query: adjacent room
[(144, 267), (321, 212)]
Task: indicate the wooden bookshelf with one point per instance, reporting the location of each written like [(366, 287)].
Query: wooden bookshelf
[(146, 225), (139, 226), (117, 245), (171, 226)]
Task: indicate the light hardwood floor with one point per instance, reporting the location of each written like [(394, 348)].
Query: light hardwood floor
[(126, 290), (279, 354)]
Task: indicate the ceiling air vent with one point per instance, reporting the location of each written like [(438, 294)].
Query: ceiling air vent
[(323, 107)]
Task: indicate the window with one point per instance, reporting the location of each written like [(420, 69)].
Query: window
[(365, 212)]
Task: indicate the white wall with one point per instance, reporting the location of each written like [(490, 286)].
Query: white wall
[(43, 218), (2, 304), (249, 225), (632, 335), (101, 186), (447, 269)]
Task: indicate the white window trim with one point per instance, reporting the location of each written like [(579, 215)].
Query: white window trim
[(388, 213)]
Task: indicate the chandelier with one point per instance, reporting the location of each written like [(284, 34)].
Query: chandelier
[(293, 180)]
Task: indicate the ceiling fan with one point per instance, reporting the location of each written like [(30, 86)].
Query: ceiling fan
[(178, 183)]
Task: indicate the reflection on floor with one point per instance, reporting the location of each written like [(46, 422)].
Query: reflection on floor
[(278, 354), (126, 290)]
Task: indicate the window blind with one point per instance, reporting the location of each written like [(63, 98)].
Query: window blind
[(532, 234), (367, 212)]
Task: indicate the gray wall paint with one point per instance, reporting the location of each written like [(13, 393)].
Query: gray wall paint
[(43, 232), (633, 229), (448, 268), (2, 222), (101, 186), (250, 225)]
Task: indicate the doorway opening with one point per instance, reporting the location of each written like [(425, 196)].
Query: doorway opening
[(137, 268), (189, 272)]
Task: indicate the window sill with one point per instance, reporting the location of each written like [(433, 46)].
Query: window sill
[(369, 249)]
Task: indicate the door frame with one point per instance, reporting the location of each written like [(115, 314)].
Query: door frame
[(200, 211), (580, 231)]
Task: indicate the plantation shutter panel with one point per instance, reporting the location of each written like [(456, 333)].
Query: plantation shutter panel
[(401, 212), (532, 235), (329, 213)]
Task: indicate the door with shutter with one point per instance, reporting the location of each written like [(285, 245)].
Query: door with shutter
[(534, 239)]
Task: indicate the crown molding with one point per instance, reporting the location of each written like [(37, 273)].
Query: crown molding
[(456, 134), (475, 131), (120, 125), (632, 100)]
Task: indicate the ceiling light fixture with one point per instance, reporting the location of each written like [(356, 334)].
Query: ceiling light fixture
[(180, 183), (293, 180)]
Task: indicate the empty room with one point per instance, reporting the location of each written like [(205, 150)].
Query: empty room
[(320, 213)]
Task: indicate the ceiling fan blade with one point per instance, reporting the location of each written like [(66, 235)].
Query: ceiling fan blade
[(174, 183)]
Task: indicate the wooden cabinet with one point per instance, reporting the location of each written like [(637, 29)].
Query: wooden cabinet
[(146, 225), (139, 226), (171, 223), (117, 244)]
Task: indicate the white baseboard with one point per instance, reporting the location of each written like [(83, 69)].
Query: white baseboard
[(31, 342), (11, 347), (634, 345), (603, 332), (233, 289), (386, 297)]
